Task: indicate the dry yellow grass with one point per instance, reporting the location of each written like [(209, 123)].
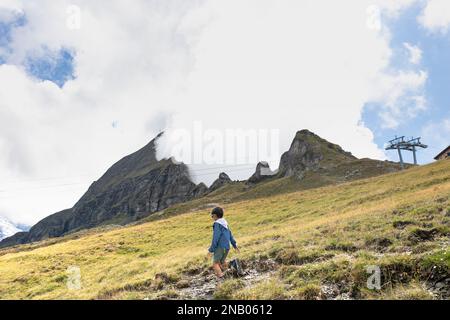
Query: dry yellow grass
[(122, 262)]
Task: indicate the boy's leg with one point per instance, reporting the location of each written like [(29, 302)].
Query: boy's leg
[(217, 269), (219, 263), (224, 265), (224, 262)]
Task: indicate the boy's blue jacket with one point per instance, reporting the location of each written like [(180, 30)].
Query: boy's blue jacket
[(222, 236)]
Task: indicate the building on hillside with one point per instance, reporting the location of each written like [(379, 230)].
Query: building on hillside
[(444, 154)]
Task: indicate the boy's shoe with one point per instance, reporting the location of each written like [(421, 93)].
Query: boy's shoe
[(225, 275)]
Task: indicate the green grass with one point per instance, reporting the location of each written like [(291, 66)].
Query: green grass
[(318, 237)]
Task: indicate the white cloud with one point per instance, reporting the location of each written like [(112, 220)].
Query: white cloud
[(415, 53), (400, 94), (436, 15), (7, 7), (130, 61), (285, 65), (437, 132)]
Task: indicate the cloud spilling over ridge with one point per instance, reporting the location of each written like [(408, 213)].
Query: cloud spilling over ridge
[(165, 65)]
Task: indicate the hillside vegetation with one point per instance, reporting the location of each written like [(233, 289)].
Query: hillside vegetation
[(307, 244)]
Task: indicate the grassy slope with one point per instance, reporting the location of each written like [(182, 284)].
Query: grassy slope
[(320, 236)]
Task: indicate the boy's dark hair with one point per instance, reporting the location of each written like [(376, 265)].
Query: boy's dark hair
[(218, 211)]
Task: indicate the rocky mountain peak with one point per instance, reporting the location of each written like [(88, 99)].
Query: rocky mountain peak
[(262, 172), (308, 151), (131, 189), (220, 182)]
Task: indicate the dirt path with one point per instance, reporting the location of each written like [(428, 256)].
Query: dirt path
[(203, 285)]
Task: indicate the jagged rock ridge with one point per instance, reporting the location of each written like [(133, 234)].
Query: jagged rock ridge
[(139, 185), (262, 173), (131, 189), (314, 158), (223, 180)]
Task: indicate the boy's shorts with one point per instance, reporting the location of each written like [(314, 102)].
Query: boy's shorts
[(220, 254)]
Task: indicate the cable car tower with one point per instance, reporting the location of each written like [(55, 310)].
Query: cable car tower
[(402, 143)]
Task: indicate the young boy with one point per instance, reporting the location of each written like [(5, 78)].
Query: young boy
[(220, 245)]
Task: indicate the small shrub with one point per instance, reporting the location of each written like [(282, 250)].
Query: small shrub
[(379, 243), (182, 284), (418, 235), (287, 257), (401, 224), (267, 290), (286, 272), (167, 295), (161, 279), (144, 255), (308, 292), (397, 269), (228, 288), (341, 246)]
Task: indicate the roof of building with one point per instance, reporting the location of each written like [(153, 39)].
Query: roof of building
[(442, 152)]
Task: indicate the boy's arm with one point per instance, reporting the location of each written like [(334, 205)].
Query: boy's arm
[(215, 239), (232, 240)]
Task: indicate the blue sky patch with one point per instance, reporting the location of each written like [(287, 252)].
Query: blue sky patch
[(6, 29), (52, 65), (436, 62), (55, 66)]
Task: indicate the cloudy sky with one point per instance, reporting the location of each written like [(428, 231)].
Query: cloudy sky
[(83, 83)]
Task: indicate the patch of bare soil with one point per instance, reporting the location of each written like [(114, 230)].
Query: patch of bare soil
[(203, 285), (438, 283), (335, 291)]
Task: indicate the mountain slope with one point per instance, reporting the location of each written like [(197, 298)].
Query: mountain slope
[(311, 244), (140, 185), (131, 189)]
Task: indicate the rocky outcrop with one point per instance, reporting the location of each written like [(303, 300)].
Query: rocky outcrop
[(308, 152), (262, 173), (134, 196), (199, 191), (131, 189), (223, 180), (318, 162)]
